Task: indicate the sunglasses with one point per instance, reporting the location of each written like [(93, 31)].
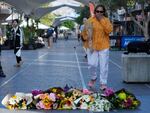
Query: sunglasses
[(97, 11)]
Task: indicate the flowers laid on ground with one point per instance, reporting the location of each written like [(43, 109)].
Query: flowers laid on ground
[(122, 99), (100, 104), (71, 98), (17, 101)]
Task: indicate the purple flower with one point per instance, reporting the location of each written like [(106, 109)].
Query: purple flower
[(108, 92), (36, 92), (66, 88), (128, 103)]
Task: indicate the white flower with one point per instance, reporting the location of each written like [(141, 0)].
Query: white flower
[(100, 104), (11, 101), (86, 98), (14, 100), (77, 100), (84, 106)]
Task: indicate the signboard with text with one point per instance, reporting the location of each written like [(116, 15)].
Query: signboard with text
[(127, 39)]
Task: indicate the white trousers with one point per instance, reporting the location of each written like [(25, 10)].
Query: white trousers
[(103, 61)]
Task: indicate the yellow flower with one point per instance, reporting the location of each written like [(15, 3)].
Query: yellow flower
[(24, 106), (46, 101), (14, 97), (9, 107), (54, 90), (135, 103)]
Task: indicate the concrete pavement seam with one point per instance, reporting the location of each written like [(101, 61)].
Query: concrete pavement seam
[(81, 75), (115, 64)]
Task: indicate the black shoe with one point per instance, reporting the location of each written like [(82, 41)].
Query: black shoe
[(2, 75), (85, 56)]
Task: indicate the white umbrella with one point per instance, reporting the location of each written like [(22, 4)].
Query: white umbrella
[(42, 26), (12, 17)]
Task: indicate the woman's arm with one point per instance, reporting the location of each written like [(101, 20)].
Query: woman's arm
[(108, 28)]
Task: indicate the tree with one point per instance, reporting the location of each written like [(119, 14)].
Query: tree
[(68, 23), (47, 19), (85, 13)]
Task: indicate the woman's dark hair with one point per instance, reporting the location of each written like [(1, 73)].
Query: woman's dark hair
[(104, 9), (15, 20)]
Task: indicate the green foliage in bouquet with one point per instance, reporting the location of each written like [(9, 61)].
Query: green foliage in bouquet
[(122, 99)]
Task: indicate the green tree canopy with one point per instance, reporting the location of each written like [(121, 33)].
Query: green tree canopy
[(69, 23), (85, 13), (48, 19)]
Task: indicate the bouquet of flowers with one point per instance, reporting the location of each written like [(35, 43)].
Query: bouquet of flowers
[(45, 101), (84, 101), (123, 99), (100, 104), (17, 101)]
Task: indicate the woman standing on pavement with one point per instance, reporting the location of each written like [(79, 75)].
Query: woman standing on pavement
[(99, 44), (18, 41)]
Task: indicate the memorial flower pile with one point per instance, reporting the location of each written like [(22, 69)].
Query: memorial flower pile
[(71, 98)]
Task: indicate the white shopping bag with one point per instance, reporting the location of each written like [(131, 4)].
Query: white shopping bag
[(18, 54), (93, 59)]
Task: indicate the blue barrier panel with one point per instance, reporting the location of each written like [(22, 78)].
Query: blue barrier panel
[(126, 39)]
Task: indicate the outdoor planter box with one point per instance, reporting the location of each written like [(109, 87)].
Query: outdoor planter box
[(136, 67)]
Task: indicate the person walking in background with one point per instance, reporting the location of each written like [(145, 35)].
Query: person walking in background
[(78, 33), (99, 44), (49, 37), (84, 37), (56, 34), (44, 36), (65, 33), (1, 42), (18, 41)]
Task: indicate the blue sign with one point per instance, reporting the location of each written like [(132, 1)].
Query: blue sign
[(127, 39)]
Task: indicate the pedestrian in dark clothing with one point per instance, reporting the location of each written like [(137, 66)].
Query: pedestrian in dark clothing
[(78, 34), (56, 34), (49, 36), (18, 41), (1, 70)]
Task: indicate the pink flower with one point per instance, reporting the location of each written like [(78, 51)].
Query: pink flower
[(40, 105), (108, 92), (86, 91), (52, 96)]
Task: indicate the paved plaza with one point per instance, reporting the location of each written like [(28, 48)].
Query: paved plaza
[(58, 66)]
